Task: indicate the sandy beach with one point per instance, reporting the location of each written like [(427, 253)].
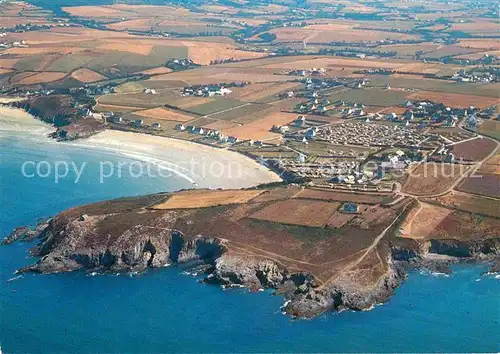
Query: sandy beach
[(11, 117), (202, 166)]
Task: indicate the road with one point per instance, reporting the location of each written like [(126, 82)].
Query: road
[(368, 250)]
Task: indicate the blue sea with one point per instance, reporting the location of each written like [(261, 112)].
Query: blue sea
[(168, 311)]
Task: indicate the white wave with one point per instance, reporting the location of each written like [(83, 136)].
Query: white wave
[(160, 163), (434, 274), (14, 278)]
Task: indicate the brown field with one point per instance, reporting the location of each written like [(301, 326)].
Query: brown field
[(330, 195), (220, 125), (432, 178), (40, 78), (482, 184), (87, 75), (327, 33), (388, 110), (298, 212), (7, 21), (339, 220), (410, 49), (157, 71), (474, 150), (277, 194), (164, 114), (55, 48), (490, 128), (479, 55), (217, 51), (205, 198), (95, 11), (254, 92), (121, 109), (422, 220), (448, 50), (139, 48), (142, 24), (471, 203), (260, 129), (479, 28), (464, 225), (5, 71), (8, 63), (492, 44), (224, 76), (491, 166), (93, 40), (188, 102), (437, 27), (456, 100), (334, 63)]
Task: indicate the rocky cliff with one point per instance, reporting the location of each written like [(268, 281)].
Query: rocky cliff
[(127, 236)]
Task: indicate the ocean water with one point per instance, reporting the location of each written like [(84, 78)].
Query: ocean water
[(168, 311)]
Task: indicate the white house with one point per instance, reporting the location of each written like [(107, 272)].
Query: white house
[(224, 91)]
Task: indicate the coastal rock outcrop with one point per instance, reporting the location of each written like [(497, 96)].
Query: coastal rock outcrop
[(128, 235)]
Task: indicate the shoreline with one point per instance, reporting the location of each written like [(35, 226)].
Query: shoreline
[(201, 165)]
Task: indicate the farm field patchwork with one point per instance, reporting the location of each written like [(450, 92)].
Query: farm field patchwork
[(469, 202), (482, 184), (260, 129), (240, 112), (422, 220), (165, 114), (371, 97), (428, 179), (87, 75), (298, 212), (216, 105), (455, 99), (37, 78), (474, 150), (329, 195)]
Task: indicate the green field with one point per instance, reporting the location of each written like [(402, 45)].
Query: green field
[(371, 97), (133, 100), (219, 104), (69, 63), (490, 128), (320, 148), (193, 29), (436, 85), (107, 62), (240, 112), (32, 63)]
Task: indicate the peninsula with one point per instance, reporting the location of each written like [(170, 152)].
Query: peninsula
[(321, 249)]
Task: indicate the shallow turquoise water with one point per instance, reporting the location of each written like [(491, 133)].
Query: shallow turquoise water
[(166, 311)]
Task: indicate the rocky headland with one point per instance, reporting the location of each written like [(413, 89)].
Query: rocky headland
[(65, 113), (250, 242)]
